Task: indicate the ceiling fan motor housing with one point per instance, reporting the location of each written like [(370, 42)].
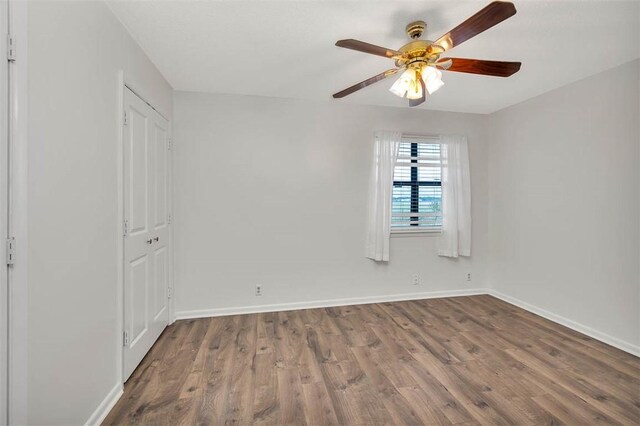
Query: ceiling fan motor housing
[(418, 51)]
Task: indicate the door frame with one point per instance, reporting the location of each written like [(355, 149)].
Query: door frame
[(4, 217), (14, 144), (126, 81)]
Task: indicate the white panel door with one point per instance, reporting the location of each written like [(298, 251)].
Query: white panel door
[(147, 241)]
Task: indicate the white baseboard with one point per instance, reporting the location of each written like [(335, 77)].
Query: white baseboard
[(218, 312), (603, 337), (105, 406), (581, 328)]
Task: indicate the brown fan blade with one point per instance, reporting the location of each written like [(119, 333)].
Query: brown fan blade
[(372, 49), (367, 82), (416, 102), (479, 66), (491, 15)]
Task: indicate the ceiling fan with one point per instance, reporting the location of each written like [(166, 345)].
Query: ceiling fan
[(420, 59)]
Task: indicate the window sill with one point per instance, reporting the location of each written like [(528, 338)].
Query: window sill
[(401, 233)]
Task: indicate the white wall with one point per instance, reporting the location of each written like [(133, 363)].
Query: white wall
[(564, 192), (274, 191), (75, 52)]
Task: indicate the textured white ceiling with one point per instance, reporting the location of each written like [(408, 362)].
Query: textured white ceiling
[(286, 48)]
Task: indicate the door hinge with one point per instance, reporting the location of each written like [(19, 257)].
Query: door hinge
[(169, 219), (170, 144), (125, 228), (170, 292), (11, 250), (11, 48), (125, 338), (125, 119)]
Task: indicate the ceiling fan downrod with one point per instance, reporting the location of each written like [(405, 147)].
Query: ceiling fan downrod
[(415, 29)]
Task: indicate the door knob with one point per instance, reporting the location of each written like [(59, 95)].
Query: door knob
[(149, 241), (156, 239)]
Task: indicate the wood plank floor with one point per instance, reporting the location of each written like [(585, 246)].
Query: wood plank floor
[(462, 360)]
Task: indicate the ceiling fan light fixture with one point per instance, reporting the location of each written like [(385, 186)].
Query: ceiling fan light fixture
[(404, 84), (415, 92), (432, 78), (434, 85)]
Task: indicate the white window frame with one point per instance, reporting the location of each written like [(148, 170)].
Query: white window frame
[(416, 231)]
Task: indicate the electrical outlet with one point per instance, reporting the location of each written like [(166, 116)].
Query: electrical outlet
[(258, 289), (416, 279), (469, 276)]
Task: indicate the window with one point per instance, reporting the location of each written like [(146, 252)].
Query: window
[(417, 192)]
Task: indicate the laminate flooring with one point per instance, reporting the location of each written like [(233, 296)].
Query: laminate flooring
[(460, 360)]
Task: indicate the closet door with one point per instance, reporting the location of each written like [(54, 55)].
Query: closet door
[(147, 238)]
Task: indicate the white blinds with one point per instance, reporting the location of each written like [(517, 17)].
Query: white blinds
[(417, 193)]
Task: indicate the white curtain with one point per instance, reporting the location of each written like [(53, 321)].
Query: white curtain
[(385, 153), (456, 197)]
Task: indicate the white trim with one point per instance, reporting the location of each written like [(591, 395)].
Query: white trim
[(18, 215), (106, 405), (576, 326), (135, 85), (278, 307), (4, 217), (171, 212), (449, 253), (426, 137), (400, 232), (120, 227)]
